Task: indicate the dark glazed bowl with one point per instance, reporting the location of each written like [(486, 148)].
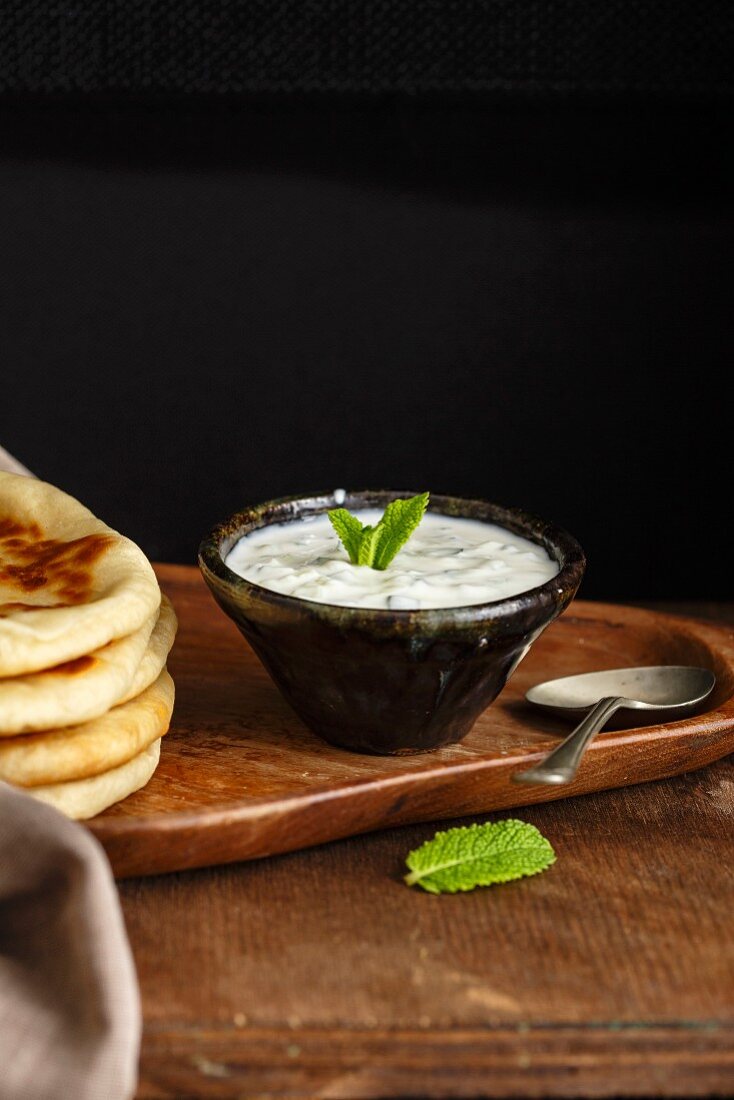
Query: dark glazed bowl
[(389, 681)]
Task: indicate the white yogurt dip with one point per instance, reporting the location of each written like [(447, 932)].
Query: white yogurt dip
[(447, 562)]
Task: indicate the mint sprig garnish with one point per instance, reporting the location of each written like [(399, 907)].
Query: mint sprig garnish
[(377, 545), (479, 855), (349, 530)]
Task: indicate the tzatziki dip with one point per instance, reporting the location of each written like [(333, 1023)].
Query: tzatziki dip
[(447, 562)]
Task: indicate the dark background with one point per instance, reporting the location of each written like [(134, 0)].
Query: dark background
[(208, 301)]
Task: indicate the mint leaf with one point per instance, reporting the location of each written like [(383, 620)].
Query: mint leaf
[(371, 537), (398, 523), (479, 855), (377, 546), (349, 530)]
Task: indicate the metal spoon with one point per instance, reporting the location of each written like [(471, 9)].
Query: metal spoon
[(668, 691)]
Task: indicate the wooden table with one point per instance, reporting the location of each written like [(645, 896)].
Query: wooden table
[(320, 974)]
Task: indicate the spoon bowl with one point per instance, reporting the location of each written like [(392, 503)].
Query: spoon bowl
[(659, 688), (662, 691)]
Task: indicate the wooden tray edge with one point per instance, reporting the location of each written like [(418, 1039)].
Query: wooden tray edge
[(235, 832)]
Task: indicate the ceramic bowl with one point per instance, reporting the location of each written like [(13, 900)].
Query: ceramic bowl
[(389, 681)]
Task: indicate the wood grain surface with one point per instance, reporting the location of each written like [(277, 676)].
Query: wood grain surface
[(320, 974), (241, 777)]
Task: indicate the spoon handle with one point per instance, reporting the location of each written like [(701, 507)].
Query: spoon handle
[(560, 765)]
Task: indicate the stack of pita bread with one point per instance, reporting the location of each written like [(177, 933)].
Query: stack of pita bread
[(85, 696)]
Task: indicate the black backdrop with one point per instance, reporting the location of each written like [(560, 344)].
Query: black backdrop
[(208, 304)]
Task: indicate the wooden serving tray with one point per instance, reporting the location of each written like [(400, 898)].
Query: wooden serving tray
[(240, 776)]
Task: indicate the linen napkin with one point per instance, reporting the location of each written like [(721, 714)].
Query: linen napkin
[(11, 464), (70, 1016)]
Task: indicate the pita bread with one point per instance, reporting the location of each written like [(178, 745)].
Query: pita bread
[(69, 584), (86, 797), (77, 752), (156, 655), (85, 688)]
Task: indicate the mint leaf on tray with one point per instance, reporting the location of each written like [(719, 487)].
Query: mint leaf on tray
[(479, 855), (377, 546)]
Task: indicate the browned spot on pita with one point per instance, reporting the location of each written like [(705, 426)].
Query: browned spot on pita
[(30, 563), (71, 668), (13, 528), (73, 596)]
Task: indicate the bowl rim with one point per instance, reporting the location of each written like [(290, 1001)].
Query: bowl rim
[(555, 539)]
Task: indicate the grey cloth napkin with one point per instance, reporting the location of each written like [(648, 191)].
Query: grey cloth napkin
[(11, 464), (69, 1005)]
